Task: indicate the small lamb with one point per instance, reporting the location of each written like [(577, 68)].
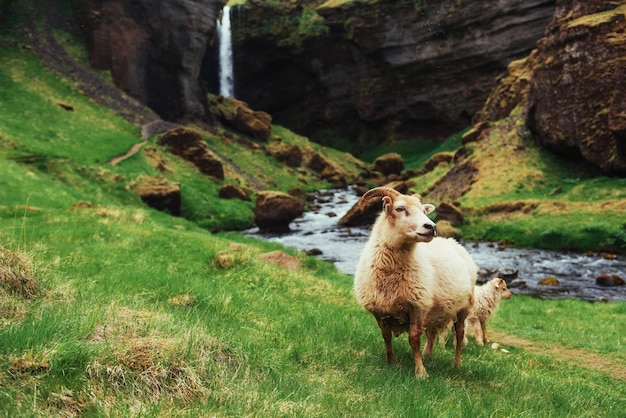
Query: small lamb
[(486, 302)]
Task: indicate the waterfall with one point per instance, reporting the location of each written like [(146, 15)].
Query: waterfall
[(227, 80)]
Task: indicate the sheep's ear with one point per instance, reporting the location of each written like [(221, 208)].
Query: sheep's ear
[(428, 208), (387, 203)]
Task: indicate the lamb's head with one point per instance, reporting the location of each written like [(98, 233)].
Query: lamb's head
[(405, 214), (498, 286)]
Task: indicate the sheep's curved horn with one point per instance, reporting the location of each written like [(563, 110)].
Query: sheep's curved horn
[(375, 192)]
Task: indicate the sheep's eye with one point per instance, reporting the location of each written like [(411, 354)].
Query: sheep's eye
[(400, 209)]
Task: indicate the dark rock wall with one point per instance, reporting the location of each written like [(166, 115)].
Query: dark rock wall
[(577, 96), (153, 48), (381, 70)]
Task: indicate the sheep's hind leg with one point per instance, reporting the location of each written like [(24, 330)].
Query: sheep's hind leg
[(387, 335), (459, 330), (430, 342)]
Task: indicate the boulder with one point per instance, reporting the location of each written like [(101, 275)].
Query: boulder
[(189, 145), (391, 163), (357, 217), (291, 155), (449, 212), (609, 280), (158, 193), (275, 210), (228, 191)]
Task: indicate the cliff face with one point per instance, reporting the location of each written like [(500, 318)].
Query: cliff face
[(154, 50), (379, 70), (577, 96), (573, 86)]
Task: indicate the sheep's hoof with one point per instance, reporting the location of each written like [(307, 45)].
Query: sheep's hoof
[(421, 373), (456, 363)]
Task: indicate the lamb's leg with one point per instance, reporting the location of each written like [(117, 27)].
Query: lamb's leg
[(483, 329), (386, 331), (416, 329), (459, 330)]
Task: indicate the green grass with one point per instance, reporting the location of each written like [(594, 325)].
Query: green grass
[(164, 324), (121, 310)]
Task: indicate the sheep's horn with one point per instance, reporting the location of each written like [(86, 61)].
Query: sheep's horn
[(375, 192)]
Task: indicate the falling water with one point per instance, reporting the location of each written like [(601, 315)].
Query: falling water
[(227, 81)]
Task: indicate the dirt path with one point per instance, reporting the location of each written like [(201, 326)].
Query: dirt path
[(581, 358), (132, 151)]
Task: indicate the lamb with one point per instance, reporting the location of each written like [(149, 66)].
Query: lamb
[(487, 301), (409, 279)]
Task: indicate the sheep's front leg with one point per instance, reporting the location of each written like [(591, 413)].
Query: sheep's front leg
[(387, 335), (483, 331), (459, 329), (416, 329)]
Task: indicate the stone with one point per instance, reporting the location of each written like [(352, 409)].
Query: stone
[(291, 155), (158, 193), (549, 281), (609, 280), (274, 210), (189, 145), (388, 164), (357, 217), (449, 212), (228, 191)]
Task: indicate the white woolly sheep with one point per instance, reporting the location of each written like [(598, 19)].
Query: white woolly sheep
[(486, 302), (410, 280)]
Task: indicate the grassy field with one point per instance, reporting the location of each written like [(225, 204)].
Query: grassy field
[(127, 312), (110, 308)]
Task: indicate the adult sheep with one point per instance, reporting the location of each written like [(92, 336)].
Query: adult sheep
[(410, 280)]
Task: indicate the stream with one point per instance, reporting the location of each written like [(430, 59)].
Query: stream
[(317, 232)]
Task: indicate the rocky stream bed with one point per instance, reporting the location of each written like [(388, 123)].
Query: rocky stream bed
[(317, 233)]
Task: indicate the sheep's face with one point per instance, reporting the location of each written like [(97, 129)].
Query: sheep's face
[(407, 215), (499, 287)]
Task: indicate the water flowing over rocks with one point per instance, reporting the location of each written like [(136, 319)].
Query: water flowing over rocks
[(317, 233)]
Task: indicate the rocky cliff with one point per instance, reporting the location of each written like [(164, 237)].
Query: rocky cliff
[(154, 50), (573, 86), (380, 70)]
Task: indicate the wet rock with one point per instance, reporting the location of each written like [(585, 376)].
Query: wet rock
[(549, 281), (189, 145), (274, 210), (158, 193), (609, 280), (228, 191), (388, 164)]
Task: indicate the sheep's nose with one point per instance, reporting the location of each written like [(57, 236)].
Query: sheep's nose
[(431, 227)]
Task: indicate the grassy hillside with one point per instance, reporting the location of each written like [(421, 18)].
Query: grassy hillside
[(110, 308)]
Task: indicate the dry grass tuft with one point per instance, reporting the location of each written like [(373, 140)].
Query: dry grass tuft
[(30, 364), (143, 359), (17, 274)]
